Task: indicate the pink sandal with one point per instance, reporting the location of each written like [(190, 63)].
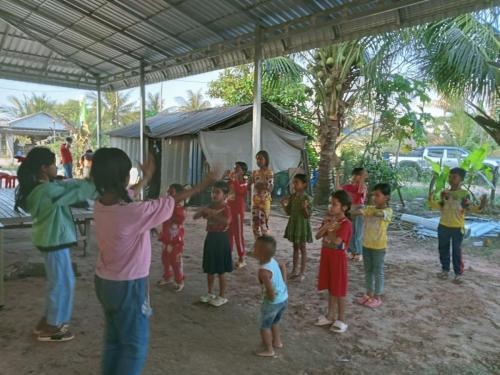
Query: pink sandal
[(364, 299), (373, 303)]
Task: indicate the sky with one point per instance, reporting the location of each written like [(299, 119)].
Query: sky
[(171, 89)]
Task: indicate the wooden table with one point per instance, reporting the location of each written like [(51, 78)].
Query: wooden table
[(11, 219)]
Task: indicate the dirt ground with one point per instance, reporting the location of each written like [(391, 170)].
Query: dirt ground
[(425, 326)]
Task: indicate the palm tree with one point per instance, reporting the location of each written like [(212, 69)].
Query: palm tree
[(116, 108), (27, 105), (194, 102), (154, 103)]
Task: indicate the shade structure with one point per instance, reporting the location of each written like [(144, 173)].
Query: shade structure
[(87, 43)]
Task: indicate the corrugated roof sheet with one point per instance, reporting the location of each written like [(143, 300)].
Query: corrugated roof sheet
[(37, 121), (80, 43), (166, 125)]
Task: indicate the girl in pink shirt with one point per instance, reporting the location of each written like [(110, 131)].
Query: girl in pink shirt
[(124, 242)]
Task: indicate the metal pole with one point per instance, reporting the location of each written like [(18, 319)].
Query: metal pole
[(257, 98), (99, 113), (142, 121)]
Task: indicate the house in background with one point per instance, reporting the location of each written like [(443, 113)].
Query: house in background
[(20, 135), (187, 142)]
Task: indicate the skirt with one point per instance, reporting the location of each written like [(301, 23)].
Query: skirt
[(217, 257), (333, 272), (298, 230)]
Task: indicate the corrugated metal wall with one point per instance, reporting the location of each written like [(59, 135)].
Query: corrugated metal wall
[(176, 161), (131, 146)]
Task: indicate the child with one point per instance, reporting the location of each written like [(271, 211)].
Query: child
[(216, 251), (357, 190), (336, 232), (272, 277), (377, 219), (298, 230), (261, 209), (54, 232), (123, 238), (172, 237), (265, 176), (453, 204), (238, 189)]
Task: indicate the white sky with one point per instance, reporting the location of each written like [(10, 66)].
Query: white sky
[(171, 89)]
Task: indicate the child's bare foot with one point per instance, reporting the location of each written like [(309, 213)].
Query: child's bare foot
[(302, 277), (266, 353), (294, 274), (278, 345)]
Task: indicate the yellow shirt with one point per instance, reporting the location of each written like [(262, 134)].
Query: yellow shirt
[(376, 221), (453, 204)]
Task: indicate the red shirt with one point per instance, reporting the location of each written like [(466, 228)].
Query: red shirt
[(237, 195), (344, 233), (172, 231), (66, 157), (358, 198), (214, 225)]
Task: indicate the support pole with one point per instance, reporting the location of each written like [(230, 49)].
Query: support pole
[(257, 98), (142, 120), (99, 113)]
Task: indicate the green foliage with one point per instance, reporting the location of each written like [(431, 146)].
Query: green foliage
[(194, 101), (27, 105)]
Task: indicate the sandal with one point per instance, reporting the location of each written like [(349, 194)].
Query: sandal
[(339, 327), (323, 321), (373, 303), (207, 298), (363, 300), (179, 287), (218, 301)]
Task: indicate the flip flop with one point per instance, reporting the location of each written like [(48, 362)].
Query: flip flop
[(373, 303), (339, 327), (362, 300), (323, 321), (266, 355)]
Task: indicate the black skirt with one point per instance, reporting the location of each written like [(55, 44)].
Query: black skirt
[(217, 257)]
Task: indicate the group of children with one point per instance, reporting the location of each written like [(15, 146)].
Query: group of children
[(123, 231)]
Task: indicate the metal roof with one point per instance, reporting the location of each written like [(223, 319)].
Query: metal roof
[(86, 42), (38, 121), (167, 125)]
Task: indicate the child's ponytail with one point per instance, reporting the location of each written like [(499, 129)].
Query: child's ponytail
[(28, 173)]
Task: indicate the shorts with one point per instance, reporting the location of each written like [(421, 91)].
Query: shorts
[(333, 272), (271, 314)]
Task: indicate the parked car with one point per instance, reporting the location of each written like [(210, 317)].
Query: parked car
[(450, 156)]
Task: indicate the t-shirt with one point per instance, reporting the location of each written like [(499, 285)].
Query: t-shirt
[(344, 232), (215, 225), (66, 157), (452, 204), (277, 282), (358, 198), (123, 237), (375, 227)]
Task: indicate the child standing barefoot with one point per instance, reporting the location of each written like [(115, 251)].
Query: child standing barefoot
[(172, 237), (217, 258), (357, 190), (122, 270), (377, 219), (272, 277), (336, 232), (54, 232), (298, 230), (238, 189), (264, 175)]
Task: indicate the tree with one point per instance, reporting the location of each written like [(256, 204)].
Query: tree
[(27, 105), (117, 109), (194, 102), (154, 104)]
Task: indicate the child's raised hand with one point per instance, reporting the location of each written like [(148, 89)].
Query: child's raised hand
[(148, 168)]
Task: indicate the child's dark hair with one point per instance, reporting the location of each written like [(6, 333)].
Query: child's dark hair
[(357, 171), (383, 188), (110, 170), (345, 200), (242, 165), (271, 245), (69, 139), (28, 173), (460, 171), (177, 187), (301, 177), (265, 155), (222, 185)]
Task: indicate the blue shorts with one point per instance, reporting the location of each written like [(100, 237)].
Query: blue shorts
[(271, 314)]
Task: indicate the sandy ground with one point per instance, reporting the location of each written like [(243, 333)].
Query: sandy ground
[(426, 326)]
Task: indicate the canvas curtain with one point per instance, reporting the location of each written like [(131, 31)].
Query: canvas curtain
[(228, 146)]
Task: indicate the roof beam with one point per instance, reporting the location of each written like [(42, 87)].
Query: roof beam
[(4, 37), (71, 26), (22, 69), (36, 58), (108, 23)]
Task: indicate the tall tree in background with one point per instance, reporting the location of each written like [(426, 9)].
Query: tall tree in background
[(194, 102), (117, 109), (27, 105), (154, 104)]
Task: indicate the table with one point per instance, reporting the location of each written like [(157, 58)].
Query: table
[(11, 219)]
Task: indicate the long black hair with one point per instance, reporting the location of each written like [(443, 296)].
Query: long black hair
[(110, 170), (265, 155), (345, 200), (28, 173)]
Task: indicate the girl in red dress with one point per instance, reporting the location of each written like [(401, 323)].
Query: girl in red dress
[(336, 232)]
